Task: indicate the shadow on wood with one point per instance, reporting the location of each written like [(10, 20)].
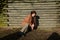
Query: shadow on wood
[(13, 36), (54, 36), (37, 22)]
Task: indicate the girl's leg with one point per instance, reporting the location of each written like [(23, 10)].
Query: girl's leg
[(24, 29), (32, 28)]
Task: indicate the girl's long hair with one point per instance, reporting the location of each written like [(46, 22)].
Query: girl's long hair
[(28, 19), (32, 12)]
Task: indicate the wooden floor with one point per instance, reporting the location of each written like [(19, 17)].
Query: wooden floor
[(34, 35)]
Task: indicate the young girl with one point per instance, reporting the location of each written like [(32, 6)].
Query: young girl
[(30, 21)]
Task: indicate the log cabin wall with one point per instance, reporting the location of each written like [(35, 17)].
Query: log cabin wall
[(47, 10)]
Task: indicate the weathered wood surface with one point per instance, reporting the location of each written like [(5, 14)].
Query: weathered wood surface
[(47, 10)]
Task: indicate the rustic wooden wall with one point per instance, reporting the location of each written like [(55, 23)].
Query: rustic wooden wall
[(47, 10)]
